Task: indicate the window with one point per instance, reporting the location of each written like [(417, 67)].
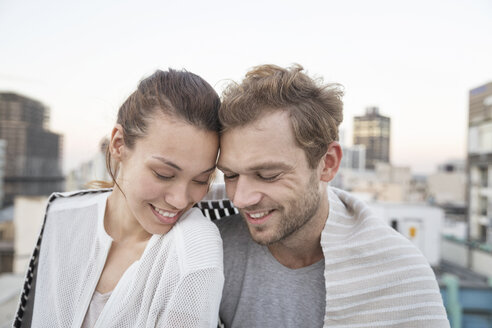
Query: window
[(484, 176)]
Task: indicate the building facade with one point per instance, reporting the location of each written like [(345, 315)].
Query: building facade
[(33, 153), (90, 171), (479, 168), (446, 187), (3, 152), (354, 157), (373, 131)]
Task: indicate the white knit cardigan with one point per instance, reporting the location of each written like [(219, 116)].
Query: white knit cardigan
[(374, 277), (176, 283)]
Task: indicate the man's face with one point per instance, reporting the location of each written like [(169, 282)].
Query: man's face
[(268, 178)]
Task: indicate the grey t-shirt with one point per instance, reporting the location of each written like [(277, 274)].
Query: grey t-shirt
[(261, 292)]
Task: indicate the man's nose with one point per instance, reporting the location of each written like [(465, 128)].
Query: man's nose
[(246, 193)]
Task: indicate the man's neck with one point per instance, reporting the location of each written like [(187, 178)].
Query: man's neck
[(303, 248)]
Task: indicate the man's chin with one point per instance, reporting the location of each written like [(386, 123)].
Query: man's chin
[(263, 242), (260, 236)]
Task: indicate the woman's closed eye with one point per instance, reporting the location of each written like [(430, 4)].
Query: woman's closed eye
[(163, 177), (201, 182)]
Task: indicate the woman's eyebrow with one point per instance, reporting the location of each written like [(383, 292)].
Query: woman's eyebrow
[(223, 168), (209, 170), (168, 162)]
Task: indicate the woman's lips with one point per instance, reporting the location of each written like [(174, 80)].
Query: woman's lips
[(165, 216)]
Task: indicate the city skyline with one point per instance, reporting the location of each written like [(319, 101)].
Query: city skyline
[(416, 62)]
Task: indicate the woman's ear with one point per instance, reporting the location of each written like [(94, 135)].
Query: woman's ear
[(117, 143), (330, 162)]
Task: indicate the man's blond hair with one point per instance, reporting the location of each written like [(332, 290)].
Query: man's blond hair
[(315, 109)]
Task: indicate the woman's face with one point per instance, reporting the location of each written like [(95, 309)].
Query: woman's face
[(166, 172)]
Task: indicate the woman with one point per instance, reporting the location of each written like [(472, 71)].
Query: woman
[(138, 255)]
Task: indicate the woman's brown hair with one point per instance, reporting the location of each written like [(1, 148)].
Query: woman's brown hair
[(179, 94)]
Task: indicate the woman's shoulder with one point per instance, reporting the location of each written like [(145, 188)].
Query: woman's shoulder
[(77, 199), (74, 218), (193, 221), (200, 241)]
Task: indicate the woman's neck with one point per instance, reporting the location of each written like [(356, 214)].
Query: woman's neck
[(119, 221)]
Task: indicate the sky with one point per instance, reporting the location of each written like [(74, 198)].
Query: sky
[(415, 60)]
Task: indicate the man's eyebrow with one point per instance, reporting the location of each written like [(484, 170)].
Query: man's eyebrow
[(270, 166), (168, 162), (262, 166)]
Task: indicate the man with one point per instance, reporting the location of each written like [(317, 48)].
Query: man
[(301, 254)]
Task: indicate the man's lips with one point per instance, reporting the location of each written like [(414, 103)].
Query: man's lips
[(258, 217)]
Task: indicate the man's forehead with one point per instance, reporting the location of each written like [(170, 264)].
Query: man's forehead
[(272, 124), (268, 142), (255, 127), (264, 121)]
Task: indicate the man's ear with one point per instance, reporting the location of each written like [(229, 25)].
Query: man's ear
[(117, 144), (330, 162)]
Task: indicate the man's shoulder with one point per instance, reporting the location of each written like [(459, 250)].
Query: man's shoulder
[(233, 230), (230, 225)]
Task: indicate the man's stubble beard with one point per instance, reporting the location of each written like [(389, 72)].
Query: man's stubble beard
[(294, 217)]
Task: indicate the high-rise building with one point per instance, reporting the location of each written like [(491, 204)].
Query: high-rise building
[(33, 153), (479, 193), (3, 150), (354, 157), (373, 131)]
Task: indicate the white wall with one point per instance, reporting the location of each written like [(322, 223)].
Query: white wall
[(460, 254), (28, 217), (482, 262), (421, 224), (447, 187), (454, 252), (480, 139)]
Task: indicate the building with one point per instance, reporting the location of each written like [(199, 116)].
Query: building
[(28, 218), (386, 183), (420, 223), (6, 239), (373, 131), (3, 152), (354, 157), (33, 153), (479, 170), (418, 189), (447, 185)]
